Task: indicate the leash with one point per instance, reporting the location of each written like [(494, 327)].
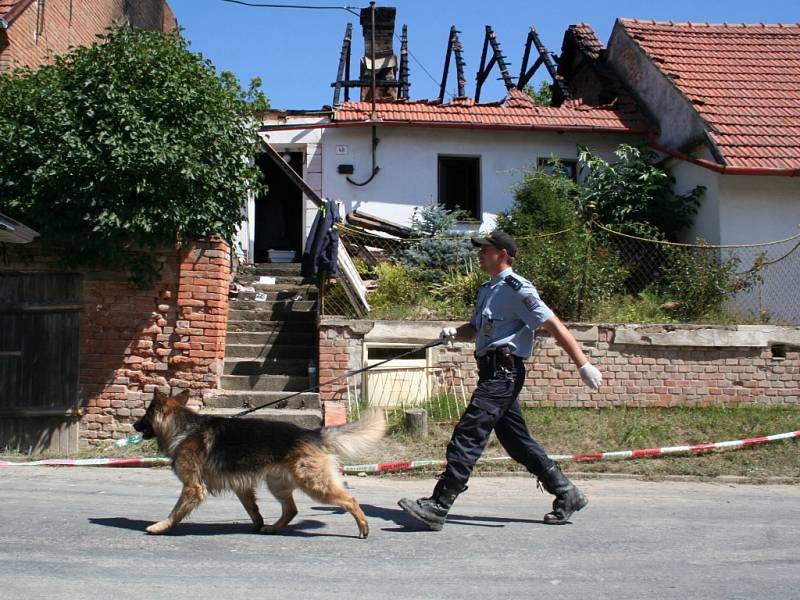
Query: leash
[(339, 378)]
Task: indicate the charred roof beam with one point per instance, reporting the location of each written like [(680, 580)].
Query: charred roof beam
[(562, 92), (497, 58), (453, 47), (404, 63), (344, 65)]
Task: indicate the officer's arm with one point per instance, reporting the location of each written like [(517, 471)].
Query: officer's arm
[(566, 340)]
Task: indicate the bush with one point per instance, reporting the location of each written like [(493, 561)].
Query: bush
[(431, 258), (459, 289), (130, 143), (697, 281), (572, 273), (635, 191), (396, 287)]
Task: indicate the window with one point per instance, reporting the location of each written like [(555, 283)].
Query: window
[(460, 184), (570, 166)]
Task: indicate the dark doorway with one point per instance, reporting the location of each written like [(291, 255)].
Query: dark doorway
[(279, 212)]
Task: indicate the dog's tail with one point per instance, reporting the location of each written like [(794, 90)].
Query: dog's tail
[(354, 439)]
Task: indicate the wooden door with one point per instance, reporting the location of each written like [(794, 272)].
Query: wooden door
[(39, 361)]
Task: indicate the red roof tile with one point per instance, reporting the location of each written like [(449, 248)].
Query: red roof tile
[(743, 80), (516, 111)]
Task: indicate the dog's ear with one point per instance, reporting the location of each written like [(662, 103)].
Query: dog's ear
[(182, 398), (160, 397)]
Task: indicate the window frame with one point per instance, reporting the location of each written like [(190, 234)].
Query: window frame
[(477, 214)]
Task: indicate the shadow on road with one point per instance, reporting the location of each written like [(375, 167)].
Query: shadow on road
[(408, 524), (302, 528)]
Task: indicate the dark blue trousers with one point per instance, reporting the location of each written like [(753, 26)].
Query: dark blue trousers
[(494, 406)]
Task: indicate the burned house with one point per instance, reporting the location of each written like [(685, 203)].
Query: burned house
[(381, 152)]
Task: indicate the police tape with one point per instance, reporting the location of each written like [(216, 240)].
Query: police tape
[(91, 462), (408, 465), (618, 455)]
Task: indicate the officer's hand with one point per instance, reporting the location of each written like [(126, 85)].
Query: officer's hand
[(591, 376), (448, 334)]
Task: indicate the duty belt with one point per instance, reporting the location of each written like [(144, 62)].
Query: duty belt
[(495, 358)]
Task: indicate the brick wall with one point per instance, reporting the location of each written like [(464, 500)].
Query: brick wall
[(42, 31), (170, 336), (650, 366)]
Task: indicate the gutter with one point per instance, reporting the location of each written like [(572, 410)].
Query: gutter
[(726, 169), (441, 125)]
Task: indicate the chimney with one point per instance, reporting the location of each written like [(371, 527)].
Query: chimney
[(385, 66)]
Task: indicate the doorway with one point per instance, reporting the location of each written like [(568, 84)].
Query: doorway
[(279, 211)]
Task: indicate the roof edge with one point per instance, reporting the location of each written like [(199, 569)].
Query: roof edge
[(726, 169), (463, 125), (16, 11), (701, 25)]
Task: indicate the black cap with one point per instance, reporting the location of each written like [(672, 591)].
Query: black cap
[(499, 239)]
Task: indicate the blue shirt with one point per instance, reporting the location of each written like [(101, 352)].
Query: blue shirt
[(507, 312)]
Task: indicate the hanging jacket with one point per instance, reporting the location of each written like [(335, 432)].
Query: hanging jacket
[(322, 245)]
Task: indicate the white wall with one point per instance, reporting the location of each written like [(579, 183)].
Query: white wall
[(764, 209), (408, 161), (706, 222)]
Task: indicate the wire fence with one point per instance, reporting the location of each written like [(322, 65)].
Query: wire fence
[(596, 273), (440, 390)]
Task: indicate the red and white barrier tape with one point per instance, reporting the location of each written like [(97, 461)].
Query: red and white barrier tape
[(416, 464), (623, 454), (90, 462)]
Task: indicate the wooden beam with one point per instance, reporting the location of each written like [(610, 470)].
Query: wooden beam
[(293, 176)]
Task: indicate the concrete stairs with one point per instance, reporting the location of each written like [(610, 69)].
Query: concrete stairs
[(271, 338)]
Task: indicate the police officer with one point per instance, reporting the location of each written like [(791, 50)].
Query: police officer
[(507, 313)]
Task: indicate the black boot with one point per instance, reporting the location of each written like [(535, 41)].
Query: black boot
[(433, 511), (569, 499)]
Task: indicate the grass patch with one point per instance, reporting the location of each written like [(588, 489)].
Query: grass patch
[(580, 430), (577, 431)]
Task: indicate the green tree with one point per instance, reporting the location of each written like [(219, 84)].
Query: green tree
[(635, 191), (541, 97), (572, 272), (124, 146)]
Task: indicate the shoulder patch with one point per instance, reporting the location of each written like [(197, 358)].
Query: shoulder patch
[(531, 302), (514, 283)]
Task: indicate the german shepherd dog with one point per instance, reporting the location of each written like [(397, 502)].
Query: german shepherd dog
[(215, 454)]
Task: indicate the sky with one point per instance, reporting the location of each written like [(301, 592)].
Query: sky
[(296, 52)]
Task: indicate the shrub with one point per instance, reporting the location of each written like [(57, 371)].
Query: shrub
[(459, 289), (130, 143), (429, 257), (396, 287), (697, 281), (634, 190), (572, 273)]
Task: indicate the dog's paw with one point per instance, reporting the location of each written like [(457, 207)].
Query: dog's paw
[(157, 528), (269, 529)]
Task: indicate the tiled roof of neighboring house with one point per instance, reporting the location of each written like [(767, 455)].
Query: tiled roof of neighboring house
[(516, 111), (743, 80)]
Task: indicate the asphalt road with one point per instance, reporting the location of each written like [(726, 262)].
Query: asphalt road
[(79, 533)]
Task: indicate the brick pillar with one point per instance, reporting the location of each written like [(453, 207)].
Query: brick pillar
[(336, 357)]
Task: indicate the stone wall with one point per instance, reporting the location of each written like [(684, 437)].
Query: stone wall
[(169, 336), (642, 365)]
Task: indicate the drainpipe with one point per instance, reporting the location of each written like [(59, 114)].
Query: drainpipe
[(374, 115)]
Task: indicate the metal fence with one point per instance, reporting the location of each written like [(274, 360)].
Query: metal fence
[(594, 273), (440, 390)]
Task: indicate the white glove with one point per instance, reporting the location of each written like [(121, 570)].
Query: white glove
[(591, 376), (448, 334)]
